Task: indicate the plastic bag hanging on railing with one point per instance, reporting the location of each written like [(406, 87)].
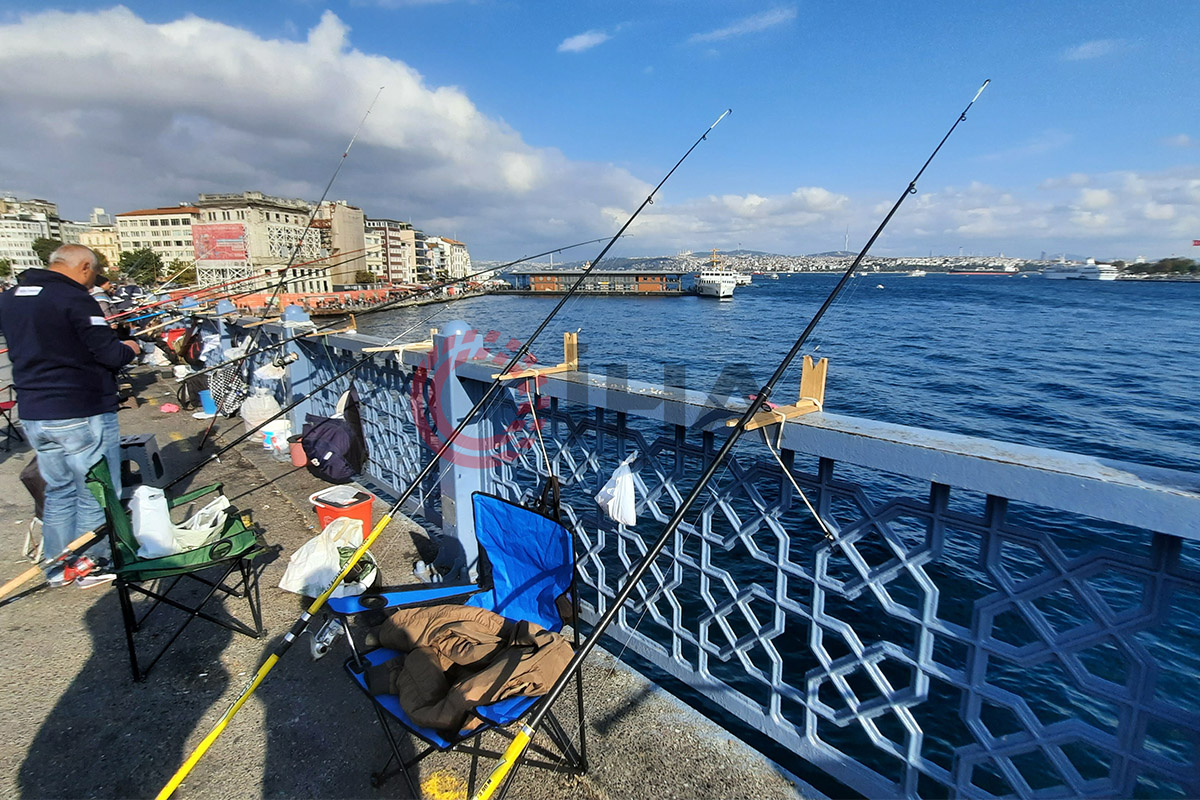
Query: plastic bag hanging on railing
[(618, 498)]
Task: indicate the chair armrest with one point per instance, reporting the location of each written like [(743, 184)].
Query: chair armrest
[(400, 596), (192, 495)]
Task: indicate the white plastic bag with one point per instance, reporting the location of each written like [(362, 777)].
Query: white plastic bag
[(206, 523), (257, 409), (152, 525), (313, 567), (618, 497)]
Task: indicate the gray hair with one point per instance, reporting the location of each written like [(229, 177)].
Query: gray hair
[(68, 255)]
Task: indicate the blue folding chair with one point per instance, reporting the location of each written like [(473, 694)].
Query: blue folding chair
[(532, 566)]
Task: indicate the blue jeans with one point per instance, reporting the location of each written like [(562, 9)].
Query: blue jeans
[(66, 450)]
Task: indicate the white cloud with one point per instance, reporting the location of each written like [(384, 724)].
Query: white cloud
[(1096, 198), (126, 114), (1097, 48), (583, 41), (1180, 140), (1046, 141), (751, 24)]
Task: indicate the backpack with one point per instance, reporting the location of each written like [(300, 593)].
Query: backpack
[(335, 446)]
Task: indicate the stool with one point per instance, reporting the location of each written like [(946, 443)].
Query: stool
[(142, 450)]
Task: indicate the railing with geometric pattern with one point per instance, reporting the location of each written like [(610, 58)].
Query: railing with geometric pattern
[(988, 620)]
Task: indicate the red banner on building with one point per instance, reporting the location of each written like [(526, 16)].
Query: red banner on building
[(219, 241)]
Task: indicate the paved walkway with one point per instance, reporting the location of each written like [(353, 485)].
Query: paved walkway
[(75, 725)]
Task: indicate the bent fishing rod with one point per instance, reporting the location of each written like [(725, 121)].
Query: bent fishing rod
[(513, 754), (387, 306), (302, 622)]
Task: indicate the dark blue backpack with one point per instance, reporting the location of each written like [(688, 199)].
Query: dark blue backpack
[(335, 446)]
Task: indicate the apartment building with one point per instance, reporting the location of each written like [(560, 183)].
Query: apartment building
[(398, 249), (250, 233), (166, 231), (100, 234), (24, 221), (342, 231)]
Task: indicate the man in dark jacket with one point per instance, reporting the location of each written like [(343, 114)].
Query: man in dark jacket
[(65, 358)]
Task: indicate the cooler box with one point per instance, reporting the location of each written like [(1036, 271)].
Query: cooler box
[(343, 501)]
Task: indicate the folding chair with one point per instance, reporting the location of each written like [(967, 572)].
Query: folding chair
[(6, 408), (156, 578), (532, 566)]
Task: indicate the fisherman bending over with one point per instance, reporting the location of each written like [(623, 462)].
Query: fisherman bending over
[(65, 358)]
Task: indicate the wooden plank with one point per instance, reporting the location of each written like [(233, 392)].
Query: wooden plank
[(812, 380), (765, 418), (533, 373)]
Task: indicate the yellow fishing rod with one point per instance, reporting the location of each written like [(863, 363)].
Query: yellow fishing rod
[(302, 622), (516, 749)]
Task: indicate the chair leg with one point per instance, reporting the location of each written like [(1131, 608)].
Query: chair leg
[(130, 620), (253, 599)]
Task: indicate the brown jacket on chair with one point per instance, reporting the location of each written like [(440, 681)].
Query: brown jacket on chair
[(460, 657)]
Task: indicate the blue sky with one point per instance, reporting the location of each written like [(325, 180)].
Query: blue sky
[(520, 126)]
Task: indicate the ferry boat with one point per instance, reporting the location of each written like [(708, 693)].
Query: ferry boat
[(917, 273), (1008, 270), (715, 281), (1091, 271)]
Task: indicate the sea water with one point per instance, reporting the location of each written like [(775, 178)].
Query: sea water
[(1109, 369)]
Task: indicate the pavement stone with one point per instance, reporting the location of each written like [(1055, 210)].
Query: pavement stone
[(76, 725)]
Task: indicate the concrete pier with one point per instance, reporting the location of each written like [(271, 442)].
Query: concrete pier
[(75, 725)]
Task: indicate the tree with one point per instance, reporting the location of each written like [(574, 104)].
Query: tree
[(5, 268), (184, 273), (363, 276), (141, 266), (44, 247), (101, 262)]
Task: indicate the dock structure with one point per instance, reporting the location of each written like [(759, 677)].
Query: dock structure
[(604, 282), (884, 610)]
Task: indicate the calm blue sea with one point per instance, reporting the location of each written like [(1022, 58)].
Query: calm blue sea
[(1109, 369)]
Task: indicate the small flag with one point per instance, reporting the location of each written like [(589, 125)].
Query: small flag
[(1195, 242)]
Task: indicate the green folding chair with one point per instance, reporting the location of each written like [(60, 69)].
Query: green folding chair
[(157, 578)]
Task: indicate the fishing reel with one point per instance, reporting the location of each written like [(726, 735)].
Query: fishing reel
[(324, 638)]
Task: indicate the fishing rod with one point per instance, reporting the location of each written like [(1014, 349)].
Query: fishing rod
[(512, 755), (390, 304), (302, 622), (210, 293), (313, 216)]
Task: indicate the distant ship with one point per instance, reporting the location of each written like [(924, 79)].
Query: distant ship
[(1001, 271), (917, 273), (715, 281), (1091, 271)]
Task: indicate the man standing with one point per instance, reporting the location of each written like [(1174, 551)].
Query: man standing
[(65, 358)]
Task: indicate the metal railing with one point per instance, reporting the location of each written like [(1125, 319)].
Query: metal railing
[(988, 620)]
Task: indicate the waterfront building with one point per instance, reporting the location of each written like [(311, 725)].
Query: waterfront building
[(398, 249), (341, 228), (448, 258), (24, 221), (17, 234), (243, 234), (599, 281), (167, 231), (373, 241)]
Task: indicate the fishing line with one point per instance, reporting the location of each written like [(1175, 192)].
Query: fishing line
[(302, 622), (513, 754), (391, 305), (316, 209)]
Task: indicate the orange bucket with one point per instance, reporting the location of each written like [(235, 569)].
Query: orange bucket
[(343, 501)]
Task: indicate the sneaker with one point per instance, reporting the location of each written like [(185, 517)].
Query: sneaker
[(202, 415), (96, 577), (57, 576)]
